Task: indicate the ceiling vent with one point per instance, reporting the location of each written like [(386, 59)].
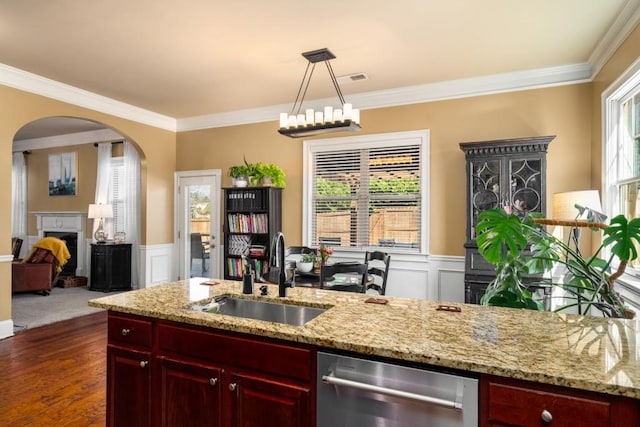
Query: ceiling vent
[(351, 78)]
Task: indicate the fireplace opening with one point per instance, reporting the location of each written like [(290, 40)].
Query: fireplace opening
[(71, 240)]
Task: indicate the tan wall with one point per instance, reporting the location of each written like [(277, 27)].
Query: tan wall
[(157, 148), (562, 111)]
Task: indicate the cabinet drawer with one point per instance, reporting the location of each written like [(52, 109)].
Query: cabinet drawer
[(512, 405), (270, 357), (129, 331)]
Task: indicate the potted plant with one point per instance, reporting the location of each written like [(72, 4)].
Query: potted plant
[(267, 175), (503, 238), (239, 175), (306, 262), (272, 175), (257, 173)]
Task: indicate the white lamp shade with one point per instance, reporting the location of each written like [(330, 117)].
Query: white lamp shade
[(564, 203), (100, 211)]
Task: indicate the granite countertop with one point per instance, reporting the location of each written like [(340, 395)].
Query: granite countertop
[(583, 352)]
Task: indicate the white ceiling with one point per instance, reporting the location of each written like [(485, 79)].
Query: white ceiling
[(184, 59)]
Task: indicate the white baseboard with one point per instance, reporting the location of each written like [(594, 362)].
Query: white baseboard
[(6, 328)]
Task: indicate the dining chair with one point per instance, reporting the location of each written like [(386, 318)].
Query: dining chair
[(199, 250), (377, 271), (328, 273)]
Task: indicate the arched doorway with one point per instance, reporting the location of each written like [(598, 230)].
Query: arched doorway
[(39, 142)]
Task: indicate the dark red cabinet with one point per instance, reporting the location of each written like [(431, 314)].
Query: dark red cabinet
[(508, 402), (189, 394), (169, 374)]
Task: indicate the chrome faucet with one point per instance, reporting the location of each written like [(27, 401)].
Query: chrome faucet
[(278, 254)]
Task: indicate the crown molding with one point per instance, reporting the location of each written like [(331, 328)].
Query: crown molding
[(624, 24), (474, 86), (78, 138), (29, 82)]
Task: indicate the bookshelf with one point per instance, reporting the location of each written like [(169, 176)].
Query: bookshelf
[(252, 216)]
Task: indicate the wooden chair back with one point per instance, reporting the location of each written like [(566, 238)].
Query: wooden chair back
[(377, 271)]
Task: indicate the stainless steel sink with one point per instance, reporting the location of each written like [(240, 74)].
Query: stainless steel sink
[(289, 314)]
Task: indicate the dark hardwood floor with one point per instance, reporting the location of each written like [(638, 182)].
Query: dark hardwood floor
[(55, 375)]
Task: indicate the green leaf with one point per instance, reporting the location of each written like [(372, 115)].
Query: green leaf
[(499, 235), (624, 235)]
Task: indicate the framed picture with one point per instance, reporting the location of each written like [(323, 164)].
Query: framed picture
[(62, 174)]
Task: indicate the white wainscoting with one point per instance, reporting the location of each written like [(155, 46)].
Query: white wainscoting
[(159, 264)]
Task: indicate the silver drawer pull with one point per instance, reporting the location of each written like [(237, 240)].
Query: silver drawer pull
[(125, 332), (233, 386), (546, 416), (213, 381), (332, 379), (143, 363)]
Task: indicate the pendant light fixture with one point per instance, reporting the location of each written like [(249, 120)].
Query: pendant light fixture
[(297, 124)]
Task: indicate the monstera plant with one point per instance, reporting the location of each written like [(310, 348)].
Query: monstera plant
[(520, 246)]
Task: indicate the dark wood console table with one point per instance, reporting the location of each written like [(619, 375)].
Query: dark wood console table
[(110, 267)]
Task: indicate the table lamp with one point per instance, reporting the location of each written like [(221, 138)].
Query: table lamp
[(578, 205), (100, 211)]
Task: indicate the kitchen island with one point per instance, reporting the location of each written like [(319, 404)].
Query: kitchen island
[(586, 354)]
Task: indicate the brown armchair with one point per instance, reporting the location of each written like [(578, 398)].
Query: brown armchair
[(39, 271)]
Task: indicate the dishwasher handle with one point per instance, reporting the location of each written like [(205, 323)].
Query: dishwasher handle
[(337, 381)]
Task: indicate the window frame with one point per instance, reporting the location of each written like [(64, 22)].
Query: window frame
[(612, 99), (117, 167), (419, 137)]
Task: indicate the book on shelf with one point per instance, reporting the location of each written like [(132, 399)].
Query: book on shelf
[(245, 200), (247, 223)]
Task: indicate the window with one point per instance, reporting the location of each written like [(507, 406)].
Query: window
[(621, 189), (367, 191), (116, 195)]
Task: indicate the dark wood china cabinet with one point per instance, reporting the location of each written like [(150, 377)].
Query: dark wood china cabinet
[(506, 172)]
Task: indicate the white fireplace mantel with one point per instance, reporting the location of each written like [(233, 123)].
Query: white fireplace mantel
[(69, 222)]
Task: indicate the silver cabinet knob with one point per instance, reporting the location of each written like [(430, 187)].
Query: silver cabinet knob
[(213, 381), (143, 363), (125, 332), (233, 386), (546, 416)]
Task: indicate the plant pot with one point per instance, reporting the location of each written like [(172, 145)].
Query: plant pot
[(304, 267), (266, 181), (240, 181)]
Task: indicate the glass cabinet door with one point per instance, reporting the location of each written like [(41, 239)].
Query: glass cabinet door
[(525, 186), (485, 188)]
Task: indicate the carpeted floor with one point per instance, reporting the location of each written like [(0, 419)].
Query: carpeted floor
[(32, 310)]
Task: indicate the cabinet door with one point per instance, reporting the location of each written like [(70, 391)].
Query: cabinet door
[(524, 192), (485, 188), (258, 401), (128, 387), (119, 266), (189, 394), (98, 267)]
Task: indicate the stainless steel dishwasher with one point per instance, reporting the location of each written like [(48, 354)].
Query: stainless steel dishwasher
[(356, 392)]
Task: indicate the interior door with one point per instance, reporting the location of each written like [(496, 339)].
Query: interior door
[(198, 223)]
